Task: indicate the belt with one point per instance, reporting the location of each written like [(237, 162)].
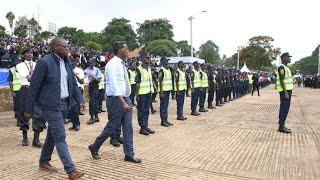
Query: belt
[(25, 86)]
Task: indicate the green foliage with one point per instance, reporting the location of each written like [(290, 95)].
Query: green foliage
[(21, 27), (10, 16), (184, 49), (308, 65), (46, 35), (209, 51), (231, 61), (68, 33), (34, 25), (119, 29), (154, 29), (259, 53), (93, 45), (161, 47)]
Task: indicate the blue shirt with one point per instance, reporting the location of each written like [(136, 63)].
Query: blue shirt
[(63, 79), (95, 72)]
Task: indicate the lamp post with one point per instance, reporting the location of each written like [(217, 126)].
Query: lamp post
[(191, 38), (319, 61), (239, 49)]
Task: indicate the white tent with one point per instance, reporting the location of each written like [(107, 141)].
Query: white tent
[(244, 68)]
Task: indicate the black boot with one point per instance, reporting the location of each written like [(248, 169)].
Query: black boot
[(164, 123), (194, 113), (96, 117), (144, 131), (36, 142), (203, 110), (92, 120), (25, 138), (169, 123), (284, 129), (114, 142)]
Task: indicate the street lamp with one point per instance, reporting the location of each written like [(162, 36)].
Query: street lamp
[(239, 49), (191, 40)]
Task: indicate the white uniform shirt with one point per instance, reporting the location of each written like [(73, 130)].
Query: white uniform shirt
[(24, 70), (80, 73)]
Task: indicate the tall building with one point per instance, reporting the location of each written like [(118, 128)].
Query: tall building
[(52, 27)]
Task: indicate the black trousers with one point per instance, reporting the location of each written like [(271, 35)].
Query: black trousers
[(93, 102), (255, 86)]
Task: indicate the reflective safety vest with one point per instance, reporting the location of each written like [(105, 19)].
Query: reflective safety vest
[(166, 81), (182, 81), (288, 79), (204, 80), (102, 83), (16, 81), (146, 85), (132, 76), (196, 79), (250, 78)]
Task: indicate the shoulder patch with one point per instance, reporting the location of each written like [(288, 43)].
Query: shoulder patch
[(281, 71)]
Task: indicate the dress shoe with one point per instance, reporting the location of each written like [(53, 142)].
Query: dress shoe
[(36, 142), (287, 128), (153, 111), (169, 123), (150, 131), (48, 167), (120, 139), (194, 113), (144, 131), (77, 128), (74, 175), (25, 141), (96, 117), (164, 123), (198, 113), (94, 154), (132, 159), (283, 129), (211, 107), (91, 121), (114, 142), (203, 110), (219, 105), (181, 118)]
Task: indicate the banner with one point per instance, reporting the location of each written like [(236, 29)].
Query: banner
[(3, 77)]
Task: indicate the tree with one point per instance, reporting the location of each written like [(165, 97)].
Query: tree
[(259, 53), (184, 49), (2, 31), (161, 47), (46, 35), (209, 51), (231, 61), (68, 33), (308, 65), (10, 16), (93, 45), (21, 27), (119, 29), (151, 30), (34, 27)]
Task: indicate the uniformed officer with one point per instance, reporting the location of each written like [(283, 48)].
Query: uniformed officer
[(180, 88), (132, 76), (15, 85), (220, 87), (284, 87), (94, 75), (211, 88), (164, 88), (227, 84), (25, 70), (144, 89), (204, 87), (232, 85), (102, 90), (195, 88)]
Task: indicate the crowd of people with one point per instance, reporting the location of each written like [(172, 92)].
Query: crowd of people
[(312, 81), (47, 83)]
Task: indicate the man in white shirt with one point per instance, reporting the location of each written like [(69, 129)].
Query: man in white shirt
[(25, 70), (119, 106)]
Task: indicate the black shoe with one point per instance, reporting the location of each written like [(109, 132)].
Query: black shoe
[(219, 105), (287, 128), (94, 154), (120, 139), (96, 117), (150, 131), (181, 118), (91, 121), (203, 110), (194, 113), (25, 141), (169, 123), (36, 143), (81, 113), (283, 129), (153, 111), (132, 159), (77, 128), (102, 110), (144, 131), (114, 142), (198, 113), (164, 123)]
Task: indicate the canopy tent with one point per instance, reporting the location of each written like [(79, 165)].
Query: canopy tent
[(244, 68)]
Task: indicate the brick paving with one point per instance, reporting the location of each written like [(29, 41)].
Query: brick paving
[(238, 141)]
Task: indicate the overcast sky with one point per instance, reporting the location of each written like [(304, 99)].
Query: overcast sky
[(294, 24)]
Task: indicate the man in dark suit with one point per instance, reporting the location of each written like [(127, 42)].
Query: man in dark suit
[(52, 87)]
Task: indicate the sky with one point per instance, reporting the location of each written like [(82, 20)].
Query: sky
[(229, 23)]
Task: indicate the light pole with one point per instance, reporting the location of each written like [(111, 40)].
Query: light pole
[(191, 38), (239, 48), (319, 61)]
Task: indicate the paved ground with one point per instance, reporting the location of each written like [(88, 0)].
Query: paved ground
[(238, 141)]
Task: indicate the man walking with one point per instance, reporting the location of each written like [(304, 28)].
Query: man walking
[(284, 87)]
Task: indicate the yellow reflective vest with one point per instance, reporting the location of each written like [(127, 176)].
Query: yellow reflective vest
[(146, 85), (166, 81), (102, 83), (16, 81), (204, 80), (182, 81), (288, 79), (132, 76), (196, 79)]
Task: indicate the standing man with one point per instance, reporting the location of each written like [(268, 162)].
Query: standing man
[(102, 90), (180, 88), (219, 91), (255, 84), (284, 87), (52, 87), (132, 76), (15, 85), (211, 88), (94, 75), (204, 86), (25, 70), (144, 89), (119, 106), (165, 86), (195, 88)]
